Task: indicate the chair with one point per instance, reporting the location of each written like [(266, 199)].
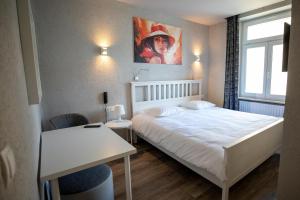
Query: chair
[(68, 120), (95, 183), (90, 184)]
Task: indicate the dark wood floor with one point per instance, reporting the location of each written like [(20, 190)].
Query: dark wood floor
[(156, 176)]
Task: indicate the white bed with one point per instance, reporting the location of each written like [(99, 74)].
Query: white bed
[(219, 144)]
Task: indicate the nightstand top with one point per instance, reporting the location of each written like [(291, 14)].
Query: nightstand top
[(115, 124)]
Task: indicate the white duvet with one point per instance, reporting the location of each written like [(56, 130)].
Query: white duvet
[(198, 136)]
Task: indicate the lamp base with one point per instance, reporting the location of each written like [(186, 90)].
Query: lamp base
[(119, 119)]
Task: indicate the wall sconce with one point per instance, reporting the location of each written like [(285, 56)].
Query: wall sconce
[(103, 51), (197, 58)]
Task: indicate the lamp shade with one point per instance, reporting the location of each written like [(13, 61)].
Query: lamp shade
[(119, 110)]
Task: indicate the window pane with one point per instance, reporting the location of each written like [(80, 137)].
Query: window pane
[(255, 70), (267, 29), (278, 78)]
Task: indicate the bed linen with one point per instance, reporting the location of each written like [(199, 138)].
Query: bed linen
[(198, 136)]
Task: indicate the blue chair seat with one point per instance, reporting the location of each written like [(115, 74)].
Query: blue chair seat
[(83, 180)]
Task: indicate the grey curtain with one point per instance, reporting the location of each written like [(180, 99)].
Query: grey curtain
[(232, 64)]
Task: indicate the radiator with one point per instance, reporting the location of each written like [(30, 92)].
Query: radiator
[(262, 108)]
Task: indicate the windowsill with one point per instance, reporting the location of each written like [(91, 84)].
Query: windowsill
[(262, 101)]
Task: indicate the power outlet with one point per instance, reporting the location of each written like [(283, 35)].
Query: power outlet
[(8, 165)]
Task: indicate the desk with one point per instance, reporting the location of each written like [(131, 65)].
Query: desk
[(69, 150)]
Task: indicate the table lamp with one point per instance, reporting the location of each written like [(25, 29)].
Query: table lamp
[(119, 111)]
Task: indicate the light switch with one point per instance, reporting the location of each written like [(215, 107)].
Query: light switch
[(8, 165)]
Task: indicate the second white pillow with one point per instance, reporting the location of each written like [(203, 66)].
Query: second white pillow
[(197, 105)]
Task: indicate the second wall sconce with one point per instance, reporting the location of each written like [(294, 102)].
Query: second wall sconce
[(103, 51)]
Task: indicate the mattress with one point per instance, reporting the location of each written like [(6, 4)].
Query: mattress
[(198, 136)]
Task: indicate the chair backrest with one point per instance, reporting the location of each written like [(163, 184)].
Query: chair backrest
[(68, 120)]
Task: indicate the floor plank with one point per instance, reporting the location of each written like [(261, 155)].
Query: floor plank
[(156, 176)]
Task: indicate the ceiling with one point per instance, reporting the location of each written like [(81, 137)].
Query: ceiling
[(206, 12)]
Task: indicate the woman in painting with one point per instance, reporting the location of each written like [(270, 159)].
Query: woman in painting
[(155, 46)]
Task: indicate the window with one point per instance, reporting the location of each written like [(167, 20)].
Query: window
[(261, 77)]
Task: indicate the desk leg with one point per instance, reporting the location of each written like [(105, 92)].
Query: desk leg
[(127, 178), (55, 189)]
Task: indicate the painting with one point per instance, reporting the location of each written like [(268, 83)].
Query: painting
[(156, 43)]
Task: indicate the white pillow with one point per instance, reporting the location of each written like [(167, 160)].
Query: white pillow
[(197, 105), (163, 111)]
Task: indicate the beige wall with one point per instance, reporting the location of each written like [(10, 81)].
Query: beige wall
[(289, 172), (217, 59), (74, 75), (19, 123)]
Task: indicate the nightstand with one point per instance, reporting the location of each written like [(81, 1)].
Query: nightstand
[(123, 124)]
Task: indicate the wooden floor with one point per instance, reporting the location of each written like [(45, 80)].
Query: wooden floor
[(156, 176)]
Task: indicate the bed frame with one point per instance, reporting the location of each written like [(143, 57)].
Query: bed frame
[(240, 157)]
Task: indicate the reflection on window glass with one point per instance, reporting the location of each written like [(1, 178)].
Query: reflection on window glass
[(278, 78), (255, 70), (267, 29)]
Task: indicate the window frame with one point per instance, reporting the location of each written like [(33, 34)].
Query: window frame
[(243, 72), (268, 43)]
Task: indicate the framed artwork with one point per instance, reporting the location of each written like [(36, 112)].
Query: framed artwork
[(156, 43)]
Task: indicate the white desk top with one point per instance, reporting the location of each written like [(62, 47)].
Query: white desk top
[(69, 150)]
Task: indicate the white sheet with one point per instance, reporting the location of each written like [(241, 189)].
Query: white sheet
[(197, 136)]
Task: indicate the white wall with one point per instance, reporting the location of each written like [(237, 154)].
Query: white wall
[(289, 172), (20, 124), (217, 59), (73, 74)]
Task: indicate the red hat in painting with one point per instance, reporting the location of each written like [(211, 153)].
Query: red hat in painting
[(160, 30)]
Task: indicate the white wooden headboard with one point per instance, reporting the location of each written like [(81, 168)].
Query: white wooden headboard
[(163, 93)]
